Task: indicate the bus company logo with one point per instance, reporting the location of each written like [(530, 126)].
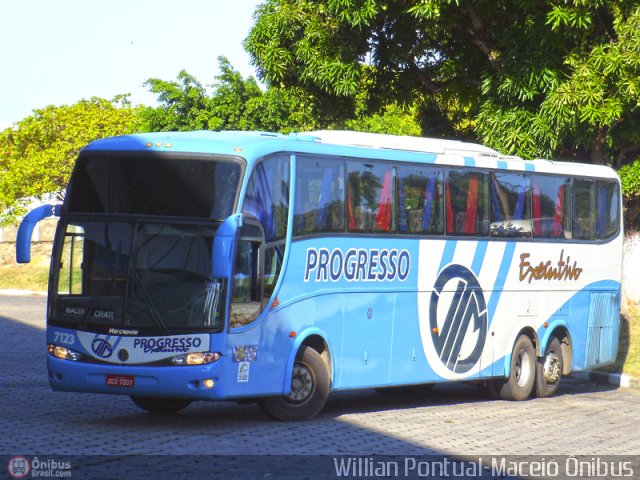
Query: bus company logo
[(457, 314), (102, 348), (18, 467)]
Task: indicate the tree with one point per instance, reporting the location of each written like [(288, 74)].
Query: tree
[(233, 103), (38, 153), (554, 78)]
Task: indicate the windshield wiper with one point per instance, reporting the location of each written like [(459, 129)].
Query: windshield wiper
[(146, 298)]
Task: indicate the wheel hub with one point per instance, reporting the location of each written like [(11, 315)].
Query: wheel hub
[(551, 368), (522, 368), (301, 384)]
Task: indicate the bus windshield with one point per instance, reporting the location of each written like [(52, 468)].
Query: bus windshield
[(161, 185), (150, 276)]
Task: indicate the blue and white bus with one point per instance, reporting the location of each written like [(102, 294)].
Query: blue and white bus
[(254, 266)]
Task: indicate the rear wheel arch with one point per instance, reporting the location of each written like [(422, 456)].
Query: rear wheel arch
[(560, 331), (529, 332), (315, 339), (566, 346), (320, 345)]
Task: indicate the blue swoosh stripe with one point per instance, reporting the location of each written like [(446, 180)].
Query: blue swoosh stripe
[(478, 258), (507, 257), (447, 255)]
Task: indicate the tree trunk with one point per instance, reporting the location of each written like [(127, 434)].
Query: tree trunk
[(596, 155)]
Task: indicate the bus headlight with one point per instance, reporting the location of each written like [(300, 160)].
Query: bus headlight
[(63, 353), (198, 358)]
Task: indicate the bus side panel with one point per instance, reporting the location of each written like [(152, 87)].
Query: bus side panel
[(368, 325), (257, 355), (409, 364)]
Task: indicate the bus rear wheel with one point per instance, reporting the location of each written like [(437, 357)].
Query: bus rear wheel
[(309, 390), (522, 374), (161, 405), (549, 370)]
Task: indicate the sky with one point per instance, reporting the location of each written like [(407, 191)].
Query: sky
[(56, 52)]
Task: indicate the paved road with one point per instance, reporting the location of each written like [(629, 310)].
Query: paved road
[(583, 419)]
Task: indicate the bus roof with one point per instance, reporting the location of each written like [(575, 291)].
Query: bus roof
[(253, 145)]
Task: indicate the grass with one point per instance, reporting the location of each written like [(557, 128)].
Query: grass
[(31, 276), (628, 360), (34, 276)]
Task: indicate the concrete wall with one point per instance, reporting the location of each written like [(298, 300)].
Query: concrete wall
[(43, 232), (631, 268)]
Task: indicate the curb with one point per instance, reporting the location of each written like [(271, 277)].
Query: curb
[(21, 293), (618, 379)]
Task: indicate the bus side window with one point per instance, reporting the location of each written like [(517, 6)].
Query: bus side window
[(273, 257), (467, 203), (583, 210), (608, 209), (319, 197), (510, 205), (551, 207), (420, 200), (267, 196), (71, 278), (370, 197), (246, 298)]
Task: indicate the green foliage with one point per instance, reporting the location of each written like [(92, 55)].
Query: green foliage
[(541, 78), (630, 179), (38, 153), (394, 120), (185, 104), (234, 103)]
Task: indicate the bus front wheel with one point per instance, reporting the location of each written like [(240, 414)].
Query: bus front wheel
[(522, 374), (309, 390), (549, 370), (161, 405)]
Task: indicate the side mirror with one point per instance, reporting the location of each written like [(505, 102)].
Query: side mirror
[(25, 230), (223, 246)]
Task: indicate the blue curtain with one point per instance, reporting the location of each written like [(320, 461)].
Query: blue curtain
[(325, 193), (429, 196), (522, 188), (403, 211)]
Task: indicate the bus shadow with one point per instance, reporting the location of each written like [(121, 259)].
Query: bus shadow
[(105, 433)]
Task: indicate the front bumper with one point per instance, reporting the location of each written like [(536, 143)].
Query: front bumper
[(170, 381)]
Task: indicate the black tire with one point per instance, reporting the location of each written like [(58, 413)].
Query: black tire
[(549, 370), (161, 405), (522, 374), (310, 385)]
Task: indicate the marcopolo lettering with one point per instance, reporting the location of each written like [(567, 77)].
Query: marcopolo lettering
[(357, 265), (167, 344)]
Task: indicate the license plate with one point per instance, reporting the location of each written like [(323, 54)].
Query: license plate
[(120, 380)]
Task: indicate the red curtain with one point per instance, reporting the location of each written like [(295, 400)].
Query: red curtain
[(472, 206), (450, 222), (352, 219), (558, 214), (384, 207)]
